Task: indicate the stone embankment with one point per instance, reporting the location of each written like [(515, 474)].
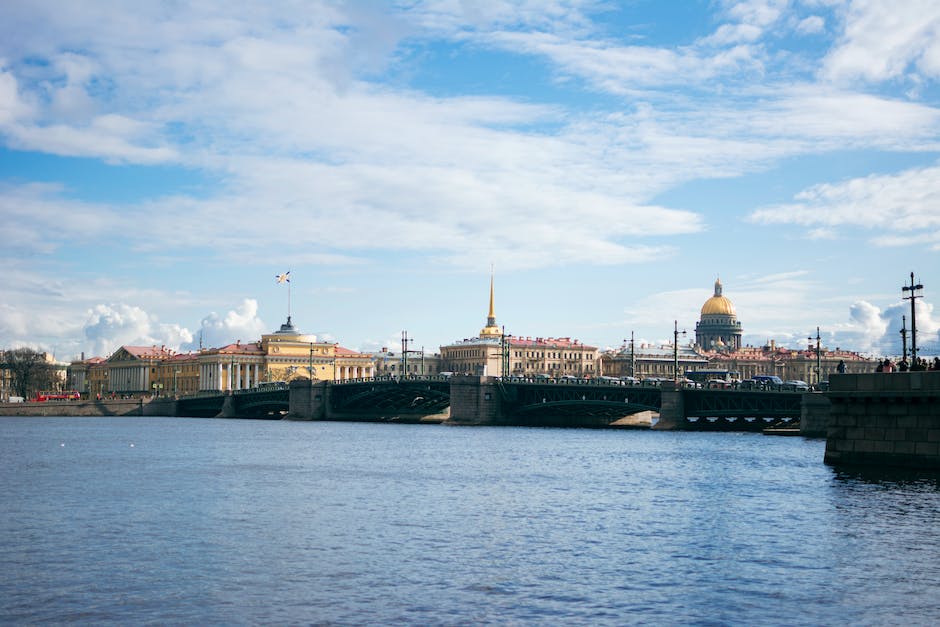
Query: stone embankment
[(884, 419), (105, 407)]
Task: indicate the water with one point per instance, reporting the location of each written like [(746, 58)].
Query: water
[(190, 521)]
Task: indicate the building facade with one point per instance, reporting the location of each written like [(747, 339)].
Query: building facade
[(284, 355), (648, 361), (492, 353)]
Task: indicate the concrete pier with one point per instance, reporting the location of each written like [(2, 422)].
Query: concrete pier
[(885, 419)]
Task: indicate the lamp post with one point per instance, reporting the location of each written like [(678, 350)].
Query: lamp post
[(310, 367), (903, 338), (675, 350), (404, 352), (912, 288), (503, 354), (818, 368)]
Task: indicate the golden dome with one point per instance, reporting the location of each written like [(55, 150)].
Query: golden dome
[(718, 304)]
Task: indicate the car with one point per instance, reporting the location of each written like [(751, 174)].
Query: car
[(796, 384), (766, 380), (629, 380), (720, 384)]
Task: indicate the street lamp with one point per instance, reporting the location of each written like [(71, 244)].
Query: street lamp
[(503, 354), (818, 369), (404, 352), (675, 350), (310, 366), (911, 288)]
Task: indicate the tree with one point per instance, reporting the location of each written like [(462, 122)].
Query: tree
[(29, 371)]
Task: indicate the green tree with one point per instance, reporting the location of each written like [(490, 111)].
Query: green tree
[(29, 371)]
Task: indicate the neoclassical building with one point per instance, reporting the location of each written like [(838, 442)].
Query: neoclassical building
[(284, 355), (718, 329), (493, 353)]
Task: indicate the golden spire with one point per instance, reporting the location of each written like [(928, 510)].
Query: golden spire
[(491, 318), (491, 329)]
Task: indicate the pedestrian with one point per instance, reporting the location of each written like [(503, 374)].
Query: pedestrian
[(936, 363), (902, 366), (841, 367), (888, 366)]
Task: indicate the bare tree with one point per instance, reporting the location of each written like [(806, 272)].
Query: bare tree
[(29, 371)]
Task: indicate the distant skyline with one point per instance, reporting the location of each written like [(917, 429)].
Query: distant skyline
[(161, 164)]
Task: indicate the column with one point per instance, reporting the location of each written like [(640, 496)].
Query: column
[(219, 383)]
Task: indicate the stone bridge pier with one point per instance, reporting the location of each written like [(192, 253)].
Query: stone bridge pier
[(308, 400), (475, 400)]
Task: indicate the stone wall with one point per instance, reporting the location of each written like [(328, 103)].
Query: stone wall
[(672, 408), (308, 401), (474, 401), (884, 419), (815, 410), (119, 407)]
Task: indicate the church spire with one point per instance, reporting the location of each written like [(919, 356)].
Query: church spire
[(491, 317), (491, 329)]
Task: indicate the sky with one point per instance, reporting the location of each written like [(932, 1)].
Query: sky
[(162, 162)]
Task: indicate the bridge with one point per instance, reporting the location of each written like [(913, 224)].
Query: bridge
[(465, 400), (505, 401)]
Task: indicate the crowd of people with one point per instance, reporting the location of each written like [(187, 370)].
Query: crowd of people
[(904, 366)]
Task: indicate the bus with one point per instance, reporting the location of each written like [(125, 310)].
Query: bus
[(69, 395)]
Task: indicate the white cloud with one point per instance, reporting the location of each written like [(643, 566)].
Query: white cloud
[(886, 40), (109, 327), (811, 25), (239, 324), (887, 204), (876, 331)]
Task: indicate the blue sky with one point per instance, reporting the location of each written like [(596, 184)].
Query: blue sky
[(161, 163)]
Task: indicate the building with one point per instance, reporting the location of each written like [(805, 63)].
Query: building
[(650, 361), (492, 353), (789, 364), (718, 328), (284, 355), (133, 369), (419, 363)]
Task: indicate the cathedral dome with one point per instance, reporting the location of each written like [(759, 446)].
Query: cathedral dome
[(718, 304)]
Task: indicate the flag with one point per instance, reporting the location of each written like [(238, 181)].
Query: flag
[(283, 278)]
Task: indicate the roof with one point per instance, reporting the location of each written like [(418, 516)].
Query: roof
[(149, 352)]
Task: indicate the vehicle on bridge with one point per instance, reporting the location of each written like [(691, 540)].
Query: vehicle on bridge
[(704, 376), (762, 382)]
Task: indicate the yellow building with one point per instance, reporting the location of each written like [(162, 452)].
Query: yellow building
[(284, 355), (494, 354)]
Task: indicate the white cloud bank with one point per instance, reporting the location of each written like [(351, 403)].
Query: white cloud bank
[(108, 327), (902, 209)]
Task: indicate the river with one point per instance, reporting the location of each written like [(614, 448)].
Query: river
[(207, 521)]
